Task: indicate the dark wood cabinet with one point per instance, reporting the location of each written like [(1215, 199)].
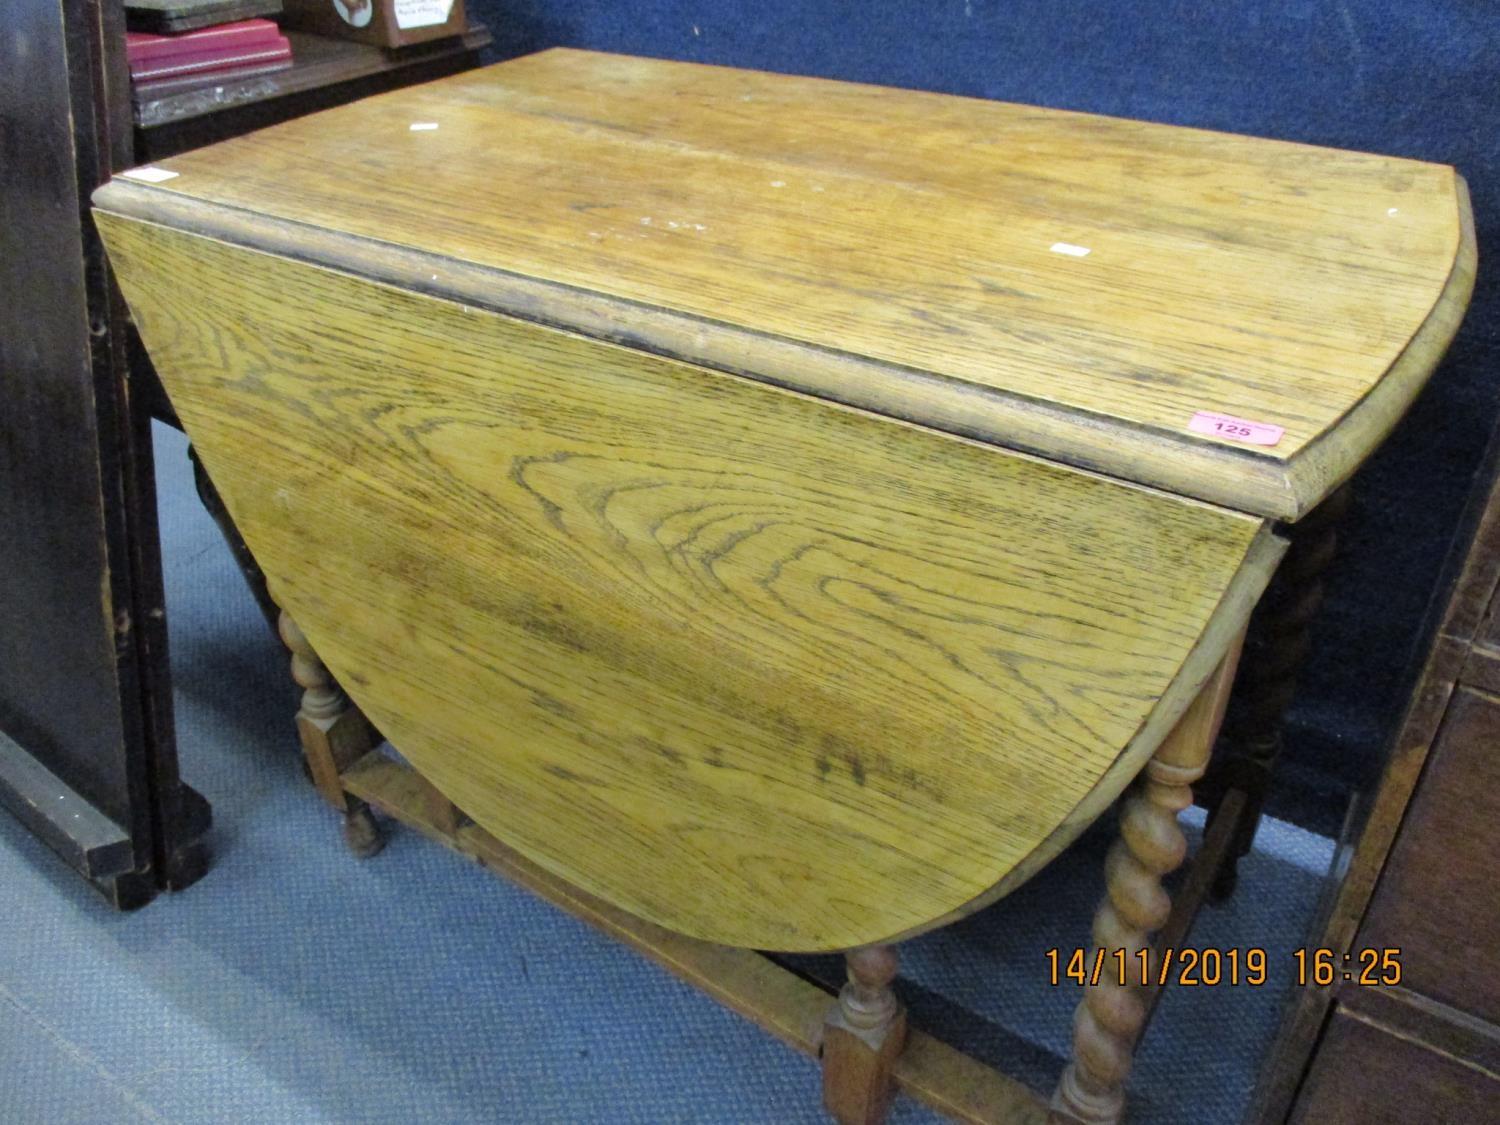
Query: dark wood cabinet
[(1369, 1073), (88, 759), (1438, 900)]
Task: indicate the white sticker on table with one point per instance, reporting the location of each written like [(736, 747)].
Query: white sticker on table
[(1230, 428), (148, 174)]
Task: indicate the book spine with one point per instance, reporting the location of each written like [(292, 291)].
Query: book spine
[(143, 48), (211, 60), (166, 87)]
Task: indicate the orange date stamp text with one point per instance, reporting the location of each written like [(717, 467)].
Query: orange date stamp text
[(1189, 967)]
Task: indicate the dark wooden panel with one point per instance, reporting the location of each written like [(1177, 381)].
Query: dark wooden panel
[(1437, 1026), (1364, 1074), (1482, 668), (85, 700), (75, 829), (1437, 899), (63, 629), (1489, 629)]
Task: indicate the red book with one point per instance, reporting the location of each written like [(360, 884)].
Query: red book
[(200, 62), (143, 47)]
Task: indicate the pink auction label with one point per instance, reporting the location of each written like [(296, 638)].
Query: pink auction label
[(1235, 429)]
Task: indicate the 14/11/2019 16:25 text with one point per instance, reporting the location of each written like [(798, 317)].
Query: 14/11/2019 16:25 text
[(1190, 967)]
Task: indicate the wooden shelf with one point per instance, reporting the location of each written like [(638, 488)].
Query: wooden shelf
[(325, 71)]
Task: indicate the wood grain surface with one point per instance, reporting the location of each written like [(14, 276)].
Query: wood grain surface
[(907, 252), (756, 667)]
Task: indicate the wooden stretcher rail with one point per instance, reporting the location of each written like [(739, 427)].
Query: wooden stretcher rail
[(790, 1008)]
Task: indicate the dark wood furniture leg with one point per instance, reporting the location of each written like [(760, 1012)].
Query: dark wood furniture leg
[(335, 734), (254, 577), (1276, 647)]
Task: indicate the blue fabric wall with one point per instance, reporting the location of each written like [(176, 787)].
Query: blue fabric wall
[(1413, 78)]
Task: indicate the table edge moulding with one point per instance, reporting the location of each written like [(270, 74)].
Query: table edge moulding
[(262, 189)]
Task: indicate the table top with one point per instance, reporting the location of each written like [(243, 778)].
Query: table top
[(762, 669), (1073, 285)]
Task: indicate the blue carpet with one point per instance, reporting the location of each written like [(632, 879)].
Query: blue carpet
[(297, 984)]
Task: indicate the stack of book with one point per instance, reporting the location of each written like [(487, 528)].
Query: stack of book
[(173, 57)]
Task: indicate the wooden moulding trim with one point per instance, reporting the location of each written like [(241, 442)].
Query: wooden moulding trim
[(1462, 1037), (780, 1002), (1250, 481)]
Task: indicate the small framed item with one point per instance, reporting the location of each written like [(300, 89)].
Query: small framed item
[(386, 23)]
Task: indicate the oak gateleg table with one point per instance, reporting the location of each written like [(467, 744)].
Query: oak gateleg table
[(779, 514)]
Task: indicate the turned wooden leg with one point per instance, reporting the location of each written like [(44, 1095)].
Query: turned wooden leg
[(1151, 844), (334, 734), (1276, 647), (254, 577), (862, 1036)]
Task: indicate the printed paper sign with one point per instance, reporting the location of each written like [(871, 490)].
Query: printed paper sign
[(421, 13), (1235, 429)]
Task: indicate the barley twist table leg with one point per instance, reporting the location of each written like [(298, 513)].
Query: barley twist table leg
[(1276, 648), (334, 735), (1151, 844), (863, 1034)]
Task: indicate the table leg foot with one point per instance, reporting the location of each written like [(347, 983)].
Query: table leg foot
[(1080, 1101), (1225, 881), (334, 735), (362, 832), (863, 1034)]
